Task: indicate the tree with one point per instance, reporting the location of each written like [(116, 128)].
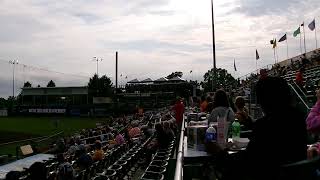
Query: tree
[(100, 86), (27, 84), (222, 79), (3, 103), (175, 74), (51, 84)]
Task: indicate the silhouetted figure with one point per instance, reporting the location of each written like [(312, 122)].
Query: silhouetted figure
[(37, 171), (221, 107), (13, 175), (242, 113), (278, 138)]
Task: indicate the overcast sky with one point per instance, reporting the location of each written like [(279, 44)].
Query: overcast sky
[(153, 37)]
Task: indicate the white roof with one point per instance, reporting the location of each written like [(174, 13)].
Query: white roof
[(161, 79), (134, 81), (147, 80), (177, 78)]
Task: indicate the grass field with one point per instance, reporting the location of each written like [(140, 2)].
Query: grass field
[(20, 128)]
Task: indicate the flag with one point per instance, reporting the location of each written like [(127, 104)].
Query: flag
[(234, 65), (257, 55), (283, 38), (273, 42), (312, 25), (296, 32)]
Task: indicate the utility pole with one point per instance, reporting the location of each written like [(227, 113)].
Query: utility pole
[(13, 62), (116, 71), (97, 60), (213, 47)]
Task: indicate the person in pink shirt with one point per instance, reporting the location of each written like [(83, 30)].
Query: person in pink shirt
[(313, 126), (119, 138), (134, 131), (313, 119)]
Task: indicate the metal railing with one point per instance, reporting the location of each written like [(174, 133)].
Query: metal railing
[(269, 66), (296, 85), (179, 165), (300, 98)]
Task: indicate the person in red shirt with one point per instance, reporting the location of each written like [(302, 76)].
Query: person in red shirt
[(204, 104), (299, 78), (178, 111)]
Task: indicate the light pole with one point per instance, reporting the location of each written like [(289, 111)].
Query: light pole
[(97, 60), (13, 62), (213, 46)]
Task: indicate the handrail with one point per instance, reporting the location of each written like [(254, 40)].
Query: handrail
[(299, 97), (254, 72), (178, 175), (299, 89), (36, 139)]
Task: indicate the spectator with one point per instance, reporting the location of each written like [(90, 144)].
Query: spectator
[(204, 104), (119, 138), (84, 160), (210, 105), (313, 119), (134, 131), (65, 169), (242, 113), (37, 171), (281, 127), (147, 130), (168, 130), (98, 152), (59, 147), (221, 107), (299, 78), (73, 147), (178, 111), (263, 73), (173, 126), (163, 138), (13, 175)]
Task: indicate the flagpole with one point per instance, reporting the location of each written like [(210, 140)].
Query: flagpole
[(277, 54), (304, 39), (315, 32), (300, 43), (257, 65), (287, 46), (274, 54)]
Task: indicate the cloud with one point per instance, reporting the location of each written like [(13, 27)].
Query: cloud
[(153, 38), (261, 7)]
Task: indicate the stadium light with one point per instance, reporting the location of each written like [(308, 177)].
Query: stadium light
[(13, 62)]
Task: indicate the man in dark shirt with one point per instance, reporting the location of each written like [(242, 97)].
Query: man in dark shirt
[(277, 139)]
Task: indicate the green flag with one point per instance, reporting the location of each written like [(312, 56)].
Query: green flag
[(296, 32)]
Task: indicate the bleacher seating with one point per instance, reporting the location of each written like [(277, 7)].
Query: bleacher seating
[(125, 161)]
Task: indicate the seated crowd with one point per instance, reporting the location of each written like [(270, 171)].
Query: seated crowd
[(79, 152), (277, 139)]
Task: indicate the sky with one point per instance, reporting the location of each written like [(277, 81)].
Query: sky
[(153, 38)]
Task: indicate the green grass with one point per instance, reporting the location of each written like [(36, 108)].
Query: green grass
[(17, 128)]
